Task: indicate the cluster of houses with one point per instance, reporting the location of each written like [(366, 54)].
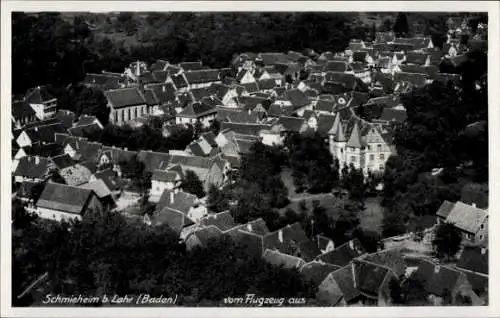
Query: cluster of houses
[(259, 97)]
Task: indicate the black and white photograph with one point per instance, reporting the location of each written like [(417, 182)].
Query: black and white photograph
[(255, 159)]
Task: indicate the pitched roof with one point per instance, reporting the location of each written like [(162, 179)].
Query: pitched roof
[(196, 110), (44, 150), (175, 219), (206, 234), (390, 258), (335, 66), (416, 58), (474, 258), (22, 109), (99, 187), (277, 258), (191, 66), (297, 98), (393, 115), (75, 175), (343, 254), (316, 272), (165, 176), (291, 123), (179, 80), (467, 217), (64, 198), (245, 128), (182, 201), (104, 80), (32, 167), (420, 69), (62, 161), (369, 277), (436, 278), (38, 95), (346, 282), (202, 76), (125, 97), (44, 133), (222, 220), (355, 140), (445, 209), (66, 117)]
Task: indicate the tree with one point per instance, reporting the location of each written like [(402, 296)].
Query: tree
[(215, 126), (192, 184), (401, 27), (217, 200), (447, 240)]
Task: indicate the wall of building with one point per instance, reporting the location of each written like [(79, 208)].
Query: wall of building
[(56, 215)]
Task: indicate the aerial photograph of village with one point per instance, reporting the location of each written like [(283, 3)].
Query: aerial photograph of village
[(241, 159)]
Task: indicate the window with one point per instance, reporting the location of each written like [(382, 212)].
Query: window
[(480, 237), (135, 112), (123, 115), (369, 148), (482, 226), (116, 116), (381, 167), (372, 157), (353, 159), (379, 147), (129, 114), (381, 156)]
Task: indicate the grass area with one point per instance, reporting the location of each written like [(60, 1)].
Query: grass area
[(371, 217)]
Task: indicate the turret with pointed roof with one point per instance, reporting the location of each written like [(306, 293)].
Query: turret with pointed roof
[(355, 138)]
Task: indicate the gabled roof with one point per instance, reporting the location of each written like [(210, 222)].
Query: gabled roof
[(125, 97), (369, 277), (390, 258), (466, 217), (393, 115), (64, 198), (45, 133), (343, 254), (346, 282), (245, 128), (291, 123), (206, 234), (474, 258), (273, 58), (182, 201), (336, 66), (416, 79), (445, 209), (165, 176), (22, 109), (99, 187), (86, 130), (196, 110), (191, 66), (33, 167), (199, 93), (179, 80), (38, 95), (175, 219), (436, 278), (202, 76), (66, 117), (277, 258), (316, 272), (416, 58), (62, 161), (222, 220), (428, 70)]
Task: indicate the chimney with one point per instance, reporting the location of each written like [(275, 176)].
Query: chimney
[(483, 250), (36, 128), (249, 227), (351, 244), (37, 160), (437, 268), (280, 236), (172, 196), (473, 205)]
